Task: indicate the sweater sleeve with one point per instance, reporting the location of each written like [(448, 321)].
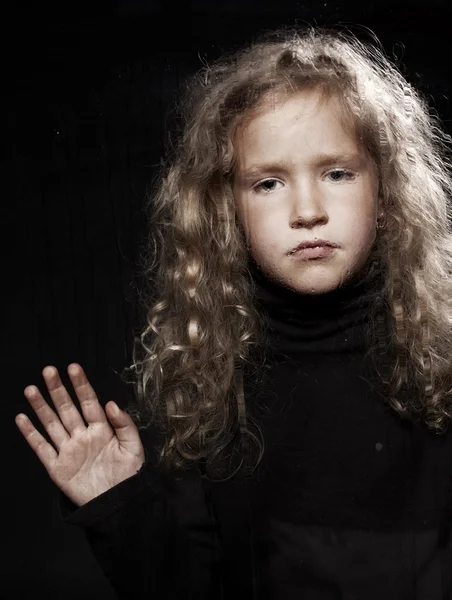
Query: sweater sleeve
[(154, 535)]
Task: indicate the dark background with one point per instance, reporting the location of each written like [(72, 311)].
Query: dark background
[(87, 88)]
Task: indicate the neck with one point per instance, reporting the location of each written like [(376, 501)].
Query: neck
[(313, 323)]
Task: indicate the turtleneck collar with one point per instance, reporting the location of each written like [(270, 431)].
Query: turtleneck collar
[(311, 324)]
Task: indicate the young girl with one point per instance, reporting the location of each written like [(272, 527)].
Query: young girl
[(290, 438)]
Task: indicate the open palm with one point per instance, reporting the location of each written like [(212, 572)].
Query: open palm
[(87, 459)]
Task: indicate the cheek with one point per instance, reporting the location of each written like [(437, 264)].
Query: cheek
[(360, 218), (361, 232), (264, 236), (254, 223)]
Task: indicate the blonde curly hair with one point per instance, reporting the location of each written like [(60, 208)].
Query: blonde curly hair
[(203, 327)]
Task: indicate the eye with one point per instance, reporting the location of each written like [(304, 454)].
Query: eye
[(266, 186), (341, 174)]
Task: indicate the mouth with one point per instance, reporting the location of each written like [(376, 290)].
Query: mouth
[(312, 244), (312, 252)]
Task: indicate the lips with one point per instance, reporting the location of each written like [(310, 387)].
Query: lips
[(312, 244)]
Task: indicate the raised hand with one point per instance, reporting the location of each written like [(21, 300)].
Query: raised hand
[(87, 459)]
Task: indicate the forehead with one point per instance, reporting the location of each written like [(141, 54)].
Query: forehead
[(308, 116)]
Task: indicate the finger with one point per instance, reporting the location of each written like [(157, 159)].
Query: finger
[(44, 451), (67, 411), (89, 402), (46, 415)]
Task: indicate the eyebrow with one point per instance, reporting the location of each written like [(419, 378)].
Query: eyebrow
[(320, 160)]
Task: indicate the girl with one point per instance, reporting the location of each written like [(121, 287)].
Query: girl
[(290, 438)]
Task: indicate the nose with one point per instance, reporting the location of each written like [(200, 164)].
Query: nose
[(307, 208)]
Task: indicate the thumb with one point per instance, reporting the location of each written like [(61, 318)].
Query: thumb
[(125, 429)]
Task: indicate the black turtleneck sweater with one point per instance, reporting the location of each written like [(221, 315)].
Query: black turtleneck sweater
[(349, 502)]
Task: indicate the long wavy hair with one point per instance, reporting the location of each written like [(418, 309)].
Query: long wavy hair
[(203, 327)]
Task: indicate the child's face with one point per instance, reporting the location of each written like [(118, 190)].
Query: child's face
[(287, 191)]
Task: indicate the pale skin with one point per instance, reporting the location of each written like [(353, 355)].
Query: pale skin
[(86, 460), (302, 176)]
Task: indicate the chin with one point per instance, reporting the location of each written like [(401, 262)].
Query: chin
[(316, 290), (315, 284)]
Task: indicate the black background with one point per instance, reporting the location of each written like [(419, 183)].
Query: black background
[(87, 88)]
